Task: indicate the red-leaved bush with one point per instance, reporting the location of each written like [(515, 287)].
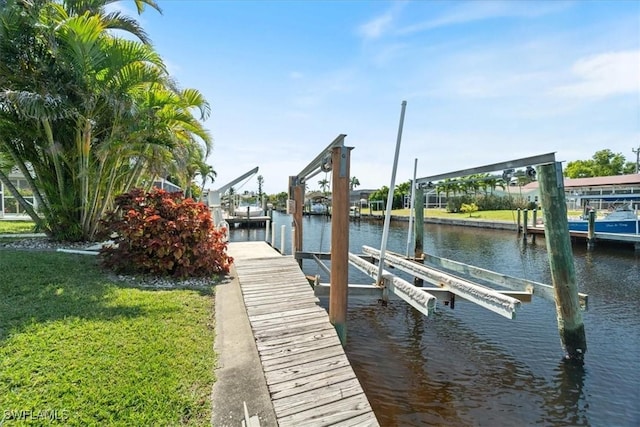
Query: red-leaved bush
[(162, 233)]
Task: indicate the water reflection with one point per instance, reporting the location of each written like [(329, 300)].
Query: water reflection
[(470, 367), (567, 402)]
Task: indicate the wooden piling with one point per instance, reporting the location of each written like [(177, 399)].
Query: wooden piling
[(298, 198), (534, 223), (591, 230), (419, 230), (570, 324), (519, 226), (525, 223), (340, 160)]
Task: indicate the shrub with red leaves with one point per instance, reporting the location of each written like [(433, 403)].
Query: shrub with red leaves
[(161, 233)]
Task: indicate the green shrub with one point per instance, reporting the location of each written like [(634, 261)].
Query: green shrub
[(492, 202), (454, 204), (162, 233), (469, 208)]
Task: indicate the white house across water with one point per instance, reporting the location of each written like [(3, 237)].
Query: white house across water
[(10, 209)]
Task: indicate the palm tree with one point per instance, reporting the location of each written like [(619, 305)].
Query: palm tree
[(114, 20), (85, 115), (260, 179), (324, 185), (206, 172), (353, 183)]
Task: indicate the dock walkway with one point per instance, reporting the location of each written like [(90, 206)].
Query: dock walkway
[(308, 375)]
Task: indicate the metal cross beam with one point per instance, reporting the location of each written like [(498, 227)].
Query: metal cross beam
[(322, 160), (541, 159)]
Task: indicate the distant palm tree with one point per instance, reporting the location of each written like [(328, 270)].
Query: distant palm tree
[(324, 185), (260, 179), (353, 183), (206, 172)]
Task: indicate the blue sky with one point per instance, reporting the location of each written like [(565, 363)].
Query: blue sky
[(484, 81)]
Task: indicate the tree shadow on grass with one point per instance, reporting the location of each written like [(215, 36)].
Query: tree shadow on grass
[(43, 286)]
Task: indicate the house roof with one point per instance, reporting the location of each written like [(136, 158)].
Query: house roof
[(598, 181)]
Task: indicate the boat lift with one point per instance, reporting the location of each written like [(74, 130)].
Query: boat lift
[(214, 199), (450, 278)]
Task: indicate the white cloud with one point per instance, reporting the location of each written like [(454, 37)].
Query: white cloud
[(376, 27), (603, 75), (482, 10), (382, 24)]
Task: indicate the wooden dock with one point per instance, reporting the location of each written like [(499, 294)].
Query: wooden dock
[(308, 375), (244, 222), (618, 238)]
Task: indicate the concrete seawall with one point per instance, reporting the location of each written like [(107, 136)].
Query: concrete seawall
[(497, 225)]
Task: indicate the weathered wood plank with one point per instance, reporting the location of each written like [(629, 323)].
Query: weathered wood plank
[(291, 330), (313, 399), (301, 357), (293, 327), (277, 299), (295, 340), (328, 415), (258, 324), (298, 348), (311, 382), (274, 291), (288, 313), (364, 420), (275, 308), (291, 373)]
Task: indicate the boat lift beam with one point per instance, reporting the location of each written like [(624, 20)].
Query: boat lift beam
[(214, 198), (322, 162), (483, 296), (541, 159)]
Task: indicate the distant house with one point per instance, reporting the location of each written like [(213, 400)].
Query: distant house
[(9, 206), (163, 184), (579, 189), (360, 197)]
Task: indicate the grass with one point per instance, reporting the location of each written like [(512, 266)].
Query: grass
[(16, 227), (94, 352), (503, 215)]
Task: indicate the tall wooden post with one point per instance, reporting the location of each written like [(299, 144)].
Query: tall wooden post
[(418, 251), (340, 161), (298, 198), (558, 241)]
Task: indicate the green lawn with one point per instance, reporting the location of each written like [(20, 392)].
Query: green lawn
[(442, 213), (94, 352), (13, 227)]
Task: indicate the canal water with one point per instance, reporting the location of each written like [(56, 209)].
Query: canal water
[(471, 367)]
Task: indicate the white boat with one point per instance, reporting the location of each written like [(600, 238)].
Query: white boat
[(251, 211), (319, 208)]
